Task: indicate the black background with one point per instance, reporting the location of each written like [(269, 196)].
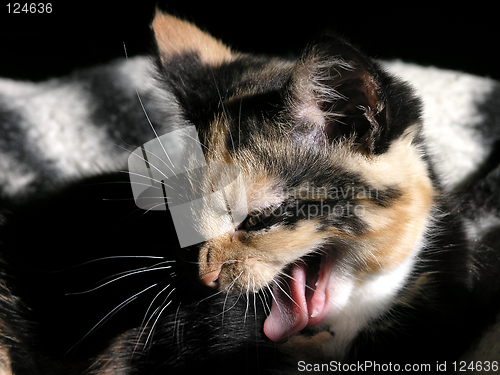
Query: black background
[(78, 34)]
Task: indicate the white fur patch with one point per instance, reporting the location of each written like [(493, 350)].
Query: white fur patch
[(369, 300), (450, 114), (13, 177), (56, 118), (477, 229), (355, 304), (61, 127)]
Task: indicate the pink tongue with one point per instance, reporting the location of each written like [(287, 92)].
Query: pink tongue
[(289, 311)]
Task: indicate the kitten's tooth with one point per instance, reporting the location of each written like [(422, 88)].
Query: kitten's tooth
[(314, 313)]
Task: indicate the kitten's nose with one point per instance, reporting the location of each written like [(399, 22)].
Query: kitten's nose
[(211, 279)]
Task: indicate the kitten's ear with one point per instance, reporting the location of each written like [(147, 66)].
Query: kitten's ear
[(176, 37), (336, 94)]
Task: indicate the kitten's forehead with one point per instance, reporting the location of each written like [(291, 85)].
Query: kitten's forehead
[(276, 167), (263, 191)]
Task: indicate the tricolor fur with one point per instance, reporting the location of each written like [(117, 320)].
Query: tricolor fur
[(362, 241)]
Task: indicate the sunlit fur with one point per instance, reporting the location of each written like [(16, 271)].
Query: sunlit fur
[(296, 149), (332, 154)]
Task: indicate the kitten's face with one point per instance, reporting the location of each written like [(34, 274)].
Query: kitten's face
[(337, 192), (320, 217)]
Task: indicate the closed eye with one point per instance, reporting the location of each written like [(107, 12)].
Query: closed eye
[(263, 218)]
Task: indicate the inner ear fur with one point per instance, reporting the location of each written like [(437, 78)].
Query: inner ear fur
[(176, 37), (337, 95)]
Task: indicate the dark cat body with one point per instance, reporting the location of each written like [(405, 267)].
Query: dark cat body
[(50, 330), (52, 327), (92, 284)]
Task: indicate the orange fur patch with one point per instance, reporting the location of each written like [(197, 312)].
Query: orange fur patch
[(392, 235), (175, 36), (5, 368), (395, 230)]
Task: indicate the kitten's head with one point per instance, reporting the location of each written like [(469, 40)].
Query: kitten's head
[(337, 192)]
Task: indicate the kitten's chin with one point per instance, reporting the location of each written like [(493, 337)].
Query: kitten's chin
[(300, 301)]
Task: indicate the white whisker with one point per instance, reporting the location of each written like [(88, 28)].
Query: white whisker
[(292, 278), (153, 206), (288, 295), (144, 323), (177, 326), (223, 110), (239, 123), (248, 302), (272, 296), (114, 257), (135, 199), (210, 296), (226, 290), (254, 298), (265, 304), (331, 303), (114, 311), (153, 128), (163, 306), (123, 275), (147, 177), (148, 163), (201, 144), (156, 321)]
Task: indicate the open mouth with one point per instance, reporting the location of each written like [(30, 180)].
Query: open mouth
[(299, 300)]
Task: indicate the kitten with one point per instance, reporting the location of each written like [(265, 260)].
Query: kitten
[(347, 216), (365, 237)]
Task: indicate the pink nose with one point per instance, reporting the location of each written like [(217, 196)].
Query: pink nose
[(211, 279)]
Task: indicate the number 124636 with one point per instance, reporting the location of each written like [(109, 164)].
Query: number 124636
[(29, 8)]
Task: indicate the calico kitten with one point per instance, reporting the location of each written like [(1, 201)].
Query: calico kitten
[(346, 213), (353, 248)]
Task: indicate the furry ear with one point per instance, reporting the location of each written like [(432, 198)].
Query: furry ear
[(175, 37), (336, 94)]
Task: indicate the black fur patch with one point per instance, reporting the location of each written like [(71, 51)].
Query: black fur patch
[(69, 276), (116, 107), (202, 89)]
